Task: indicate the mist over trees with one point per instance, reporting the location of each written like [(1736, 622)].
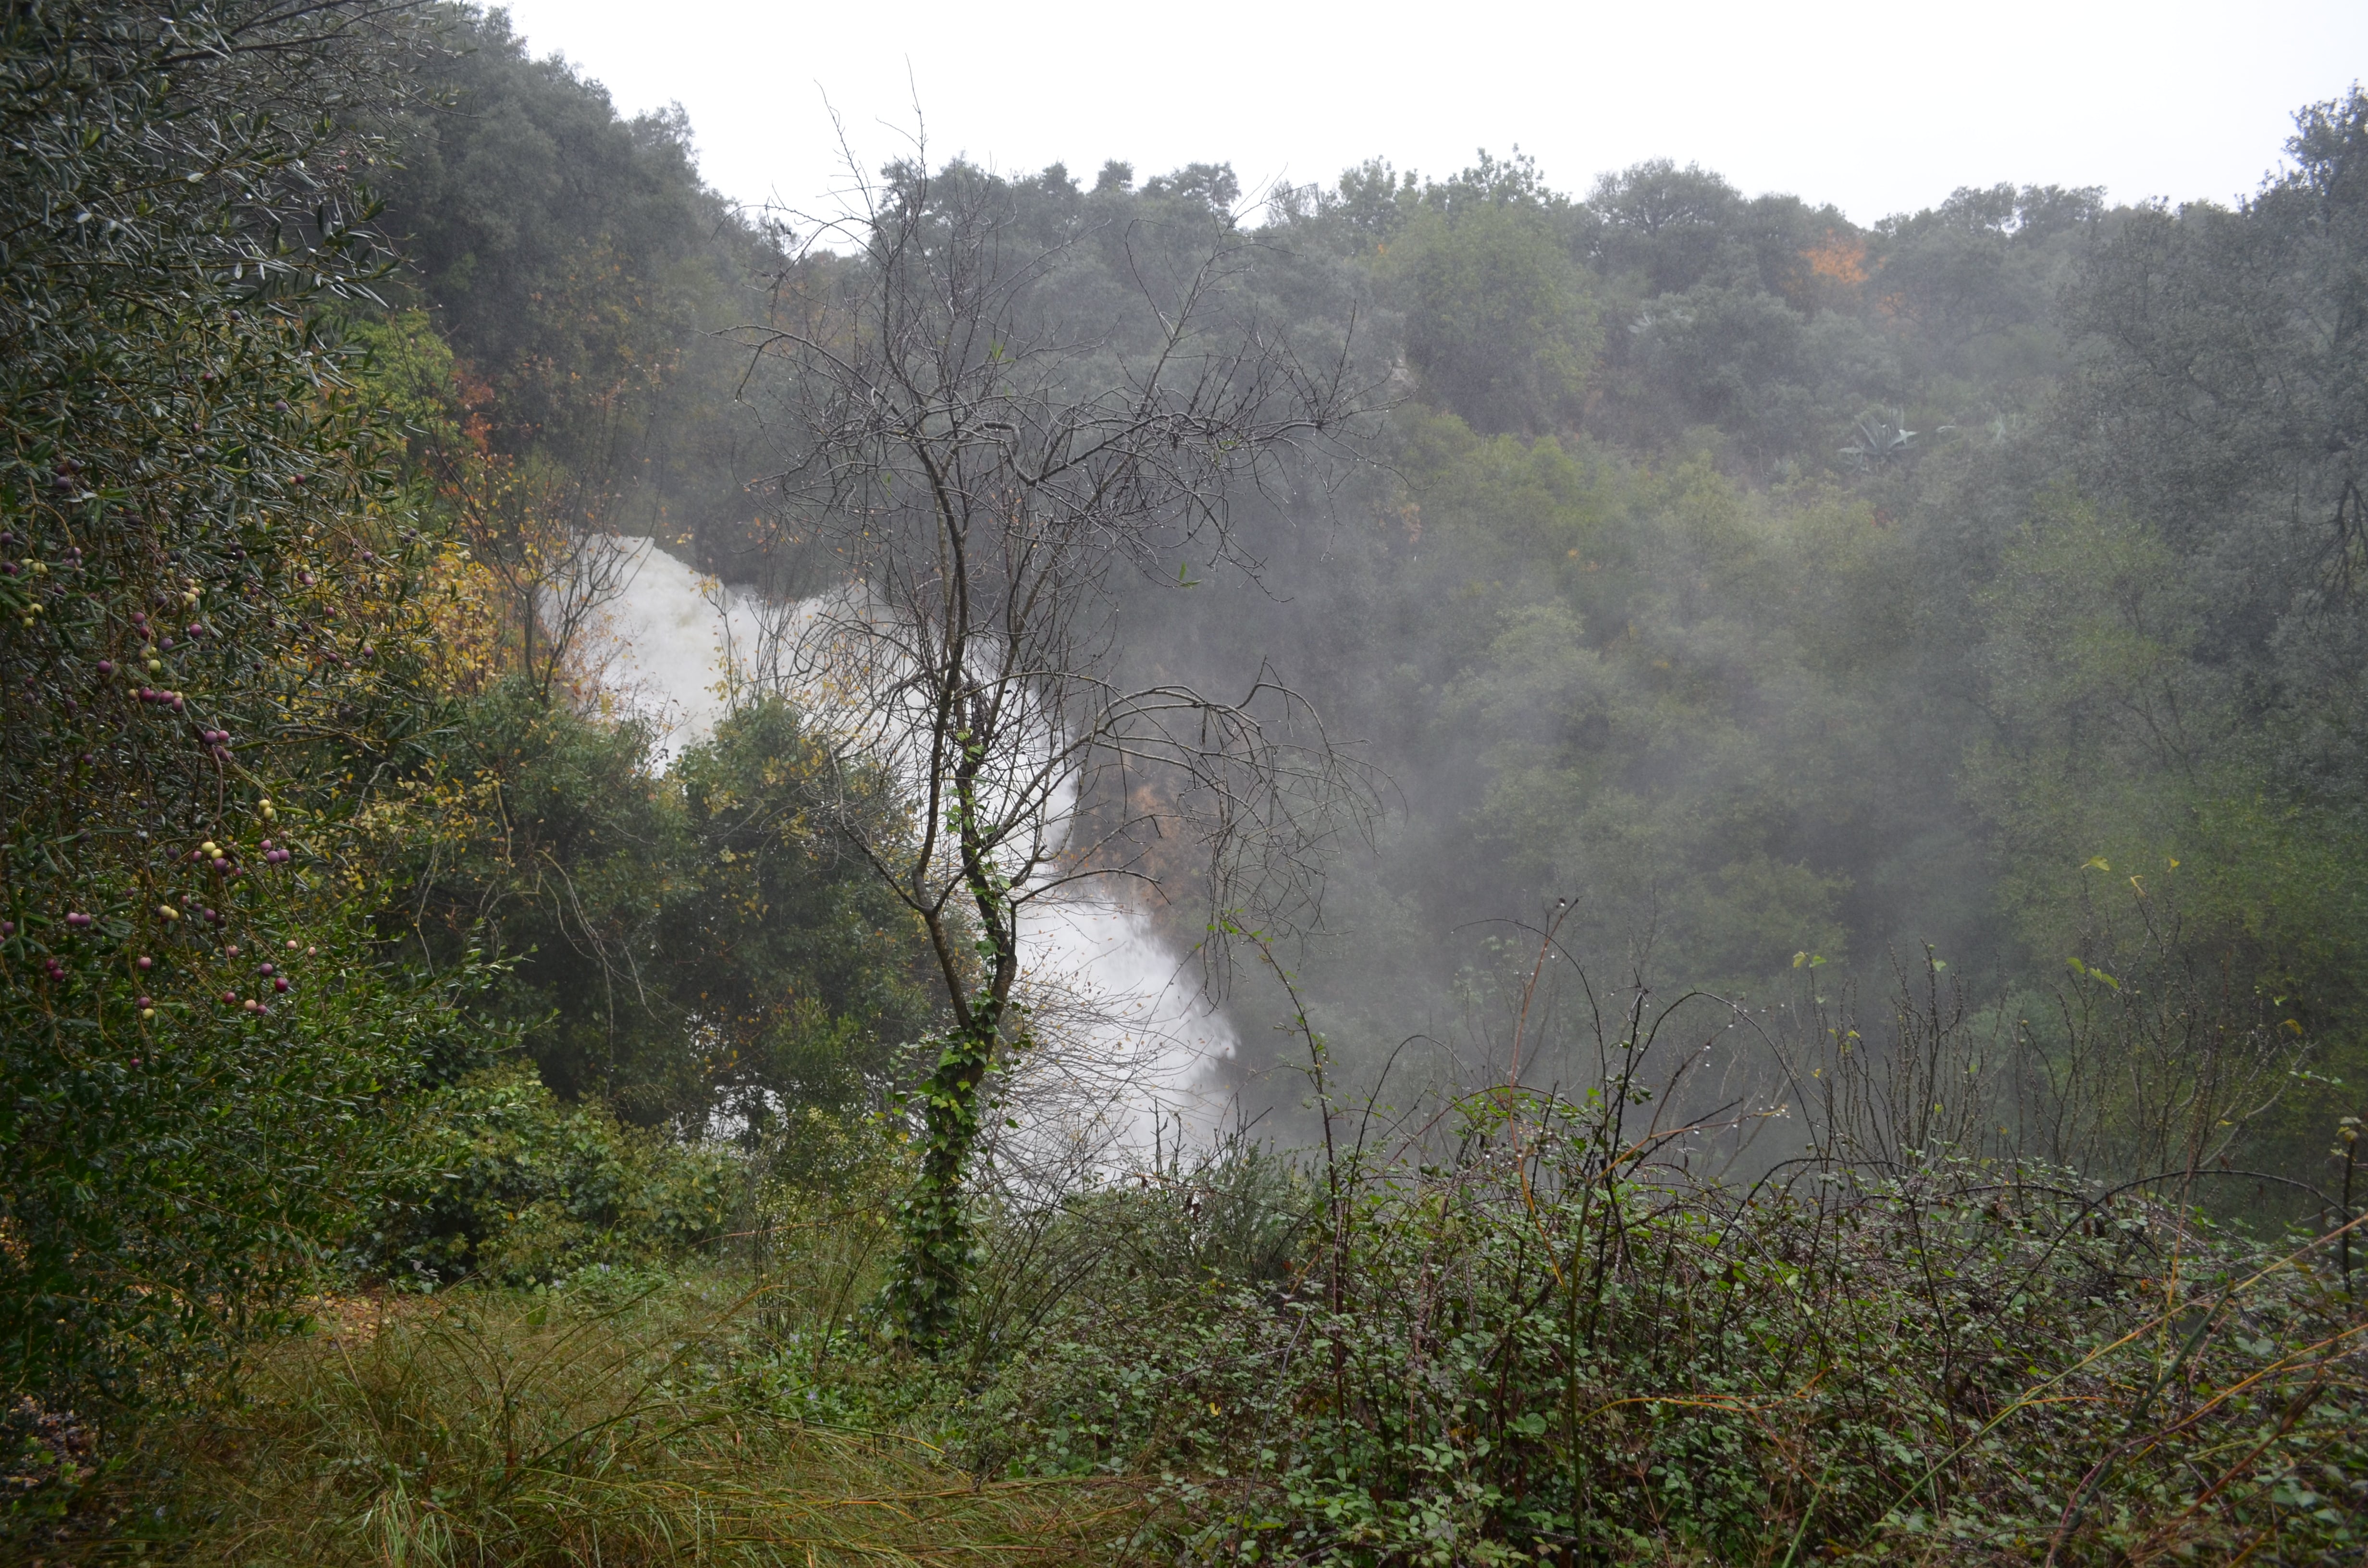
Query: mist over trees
[(1827, 594), (1776, 805)]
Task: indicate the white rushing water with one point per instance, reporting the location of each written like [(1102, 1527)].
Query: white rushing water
[(1129, 1041), (667, 644)]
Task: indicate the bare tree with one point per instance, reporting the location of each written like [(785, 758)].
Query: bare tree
[(547, 533), (981, 469)]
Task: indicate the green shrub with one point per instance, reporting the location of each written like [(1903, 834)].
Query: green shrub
[(1541, 1346), (502, 1180)]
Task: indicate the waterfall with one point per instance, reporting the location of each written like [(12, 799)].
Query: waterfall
[(1130, 1040), (665, 645)]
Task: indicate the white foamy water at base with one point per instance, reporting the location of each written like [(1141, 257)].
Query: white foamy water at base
[(1128, 1042)]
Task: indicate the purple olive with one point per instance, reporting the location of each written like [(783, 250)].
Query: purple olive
[(280, 982), (107, 667), (147, 963), (147, 1002)]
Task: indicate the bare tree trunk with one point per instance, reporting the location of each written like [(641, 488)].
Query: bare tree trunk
[(979, 466)]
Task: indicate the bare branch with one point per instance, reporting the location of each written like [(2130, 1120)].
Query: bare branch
[(980, 470)]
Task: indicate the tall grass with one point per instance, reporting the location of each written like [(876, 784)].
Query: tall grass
[(583, 1426)]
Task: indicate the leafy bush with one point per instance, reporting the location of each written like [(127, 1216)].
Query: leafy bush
[(688, 945), (504, 1181)]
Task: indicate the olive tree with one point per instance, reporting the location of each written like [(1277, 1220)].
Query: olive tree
[(193, 473)]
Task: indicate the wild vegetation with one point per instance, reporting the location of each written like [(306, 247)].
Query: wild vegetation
[(1791, 790)]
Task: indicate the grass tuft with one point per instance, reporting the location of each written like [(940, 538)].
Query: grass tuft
[(518, 1428)]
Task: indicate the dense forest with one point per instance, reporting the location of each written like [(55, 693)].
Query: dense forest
[(1773, 811)]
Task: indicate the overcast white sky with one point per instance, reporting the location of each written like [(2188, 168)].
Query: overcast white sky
[(1877, 107)]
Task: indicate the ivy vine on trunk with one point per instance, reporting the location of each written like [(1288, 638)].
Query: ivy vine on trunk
[(975, 468)]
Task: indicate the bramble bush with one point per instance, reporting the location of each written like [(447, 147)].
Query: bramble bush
[(1546, 1351), (1533, 1331)]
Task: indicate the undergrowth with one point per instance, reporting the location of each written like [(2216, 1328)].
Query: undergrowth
[(1537, 1353), (1529, 1352), (1524, 1333)]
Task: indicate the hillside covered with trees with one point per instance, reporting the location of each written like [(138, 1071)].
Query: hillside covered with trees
[(1775, 809)]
